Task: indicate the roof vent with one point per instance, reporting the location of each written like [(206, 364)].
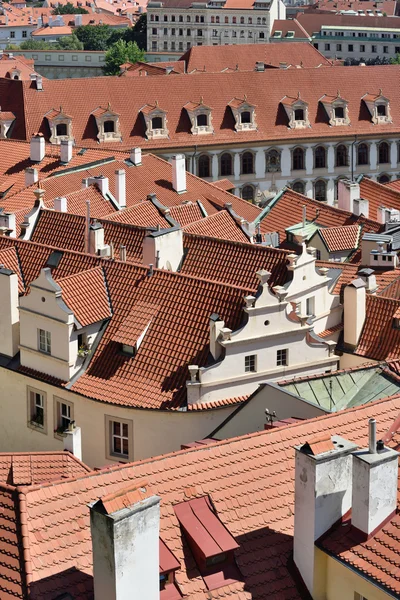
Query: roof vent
[(260, 66)]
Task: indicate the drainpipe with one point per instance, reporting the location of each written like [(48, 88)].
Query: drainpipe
[(352, 158), (193, 157)]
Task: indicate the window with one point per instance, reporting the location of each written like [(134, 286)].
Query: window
[(351, 48), (338, 47), (385, 49), (234, 21), (316, 46), (215, 33), (245, 117), (64, 414), (188, 18), (242, 34), (61, 129), (310, 306), (242, 20), (44, 341), (282, 358), (362, 47), (247, 163), (383, 178), (226, 164), (226, 19), (273, 161), (24, 34), (154, 31), (173, 18), (250, 21), (212, 19), (299, 114), (298, 159), (341, 156), (180, 45), (120, 438), (12, 34), (339, 112), (262, 35), (320, 157), (37, 410), (250, 363), (383, 153), (165, 45), (248, 193), (165, 18), (258, 21), (202, 120), (199, 32), (362, 154), (234, 34), (154, 45), (359, 597), (374, 49), (217, 19), (180, 32), (188, 32), (299, 187), (320, 190), (327, 47), (109, 126), (180, 18), (264, 21), (381, 110), (173, 31), (204, 166), (201, 19), (165, 31), (157, 123)]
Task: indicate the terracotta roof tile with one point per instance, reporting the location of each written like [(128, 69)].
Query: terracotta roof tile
[(341, 238), (136, 323), (378, 195), (221, 225), (9, 259), (379, 339)]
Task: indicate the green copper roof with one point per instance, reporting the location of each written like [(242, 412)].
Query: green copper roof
[(307, 231)]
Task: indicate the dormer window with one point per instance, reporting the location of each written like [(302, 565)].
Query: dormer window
[(108, 124), (297, 112), (337, 110), (6, 120), (60, 126), (244, 114), (156, 121), (134, 328), (200, 117), (379, 108)]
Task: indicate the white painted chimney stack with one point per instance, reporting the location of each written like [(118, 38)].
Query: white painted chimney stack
[(73, 440), (125, 543), (101, 182), (31, 176), (375, 480), (354, 311), (348, 192), (120, 187), (136, 156), (96, 240), (9, 315), (38, 147), (178, 173), (323, 476), (61, 204), (215, 329), (66, 151), (8, 224)]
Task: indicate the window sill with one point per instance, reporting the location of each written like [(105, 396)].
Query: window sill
[(37, 427)]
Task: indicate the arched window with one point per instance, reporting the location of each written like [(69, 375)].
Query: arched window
[(202, 121), (258, 20), (273, 161), (245, 117), (242, 20), (247, 163), (299, 187), (250, 21), (61, 129), (320, 157), (341, 156), (204, 166), (242, 34), (264, 21), (383, 153), (156, 123), (320, 190), (248, 193), (226, 164), (339, 112), (298, 159), (362, 154), (383, 178), (109, 127)]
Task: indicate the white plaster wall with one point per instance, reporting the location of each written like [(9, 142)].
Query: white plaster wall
[(170, 249), (9, 316)]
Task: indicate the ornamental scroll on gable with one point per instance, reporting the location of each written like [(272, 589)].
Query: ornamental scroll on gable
[(379, 108), (156, 121)]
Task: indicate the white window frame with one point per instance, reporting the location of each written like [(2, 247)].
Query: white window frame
[(111, 453), (282, 357), (58, 416), (37, 399), (250, 363), (44, 341)]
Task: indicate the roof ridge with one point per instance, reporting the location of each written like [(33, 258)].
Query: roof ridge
[(78, 273)]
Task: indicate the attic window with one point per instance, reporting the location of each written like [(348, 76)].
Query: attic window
[(339, 112), (244, 114), (156, 121), (245, 117), (109, 127), (336, 108), (61, 129), (108, 124), (60, 126), (210, 542), (200, 117), (128, 350), (134, 327), (299, 114), (379, 108)]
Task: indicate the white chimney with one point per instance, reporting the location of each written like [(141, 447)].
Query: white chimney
[(66, 151), (375, 480), (73, 440), (31, 176), (9, 315), (78, 20), (96, 240), (120, 187), (369, 278), (164, 248), (61, 204), (178, 173), (136, 156), (361, 207), (323, 476), (38, 147), (354, 311), (125, 544), (215, 329), (348, 191), (122, 253), (100, 181)]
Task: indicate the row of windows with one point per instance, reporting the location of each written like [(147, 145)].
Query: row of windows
[(214, 19), (24, 34), (273, 159), (364, 34), (362, 48), (119, 432), (250, 361), (320, 186), (173, 19)]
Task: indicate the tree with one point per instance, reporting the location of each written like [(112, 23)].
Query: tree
[(94, 37), (35, 45), (138, 33), (395, 60), (120, 53), (70, 9), (69, 42)]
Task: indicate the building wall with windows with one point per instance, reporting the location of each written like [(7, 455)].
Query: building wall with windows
[(357, 42), (177, 29)]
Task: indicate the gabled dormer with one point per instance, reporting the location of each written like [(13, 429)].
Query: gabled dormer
[(297, 112), (156, 121), (379, 108), (243, 113), (200, 117), (60, 125), (134, 328), (6, 120), (337, 109), (108, 125)]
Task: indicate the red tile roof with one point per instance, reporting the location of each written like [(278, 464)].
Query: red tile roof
[(378, 195), (136, 323), (286, 25), (221, 225), (341, 238), (214, 59), (144, 214), (254, 501), (315, 20), (85, 293), (127, 95), (9, 259), (33, 468), (379, 339)]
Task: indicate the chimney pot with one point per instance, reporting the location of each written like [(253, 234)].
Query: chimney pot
[(178, 173), (136, 156), (66, 151), (37, 147), (61, 204)]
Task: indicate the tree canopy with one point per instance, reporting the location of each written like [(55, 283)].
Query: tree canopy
[(120, 53), (69, 42), (94, 37), (69, 9)]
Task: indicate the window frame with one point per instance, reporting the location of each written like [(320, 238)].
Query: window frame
[(110, 453), (282, 357), (47, 341), (250, 363), (57, 402), (31, 403), (244, 160)]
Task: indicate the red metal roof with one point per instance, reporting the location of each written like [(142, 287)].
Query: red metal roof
[(167, 560)]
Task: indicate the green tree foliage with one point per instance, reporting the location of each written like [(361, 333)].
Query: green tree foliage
[(35, 45), (70, 9), (94, 37), (69, 42), (120, 53), (395, 60)]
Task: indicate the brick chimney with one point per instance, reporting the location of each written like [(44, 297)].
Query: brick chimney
[(125, 528), (178, 173), (38, 147)]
